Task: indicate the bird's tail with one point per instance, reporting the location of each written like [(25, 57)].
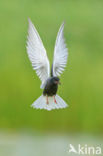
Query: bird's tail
[(41, 103)]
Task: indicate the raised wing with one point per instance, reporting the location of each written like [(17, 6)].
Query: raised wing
[(37, 54), (60, 53)]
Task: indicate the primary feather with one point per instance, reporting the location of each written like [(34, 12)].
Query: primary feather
[(60, 53), (37, 54)]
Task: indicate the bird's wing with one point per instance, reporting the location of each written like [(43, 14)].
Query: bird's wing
[(37, 54), (60, 53)]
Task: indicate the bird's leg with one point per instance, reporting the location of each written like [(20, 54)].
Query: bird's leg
[(47, 102), (55, 99)]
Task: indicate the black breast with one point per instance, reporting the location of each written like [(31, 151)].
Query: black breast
[(50, 88)]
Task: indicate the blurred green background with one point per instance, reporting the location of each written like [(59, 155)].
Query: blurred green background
[(82, 81)]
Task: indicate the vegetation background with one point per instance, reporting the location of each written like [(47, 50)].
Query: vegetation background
[(82, 81)]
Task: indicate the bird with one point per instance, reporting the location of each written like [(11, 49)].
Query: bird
[(36, 51)]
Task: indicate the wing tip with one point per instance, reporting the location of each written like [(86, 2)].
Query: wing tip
[(62, 25), (30, 23), (29, 20)]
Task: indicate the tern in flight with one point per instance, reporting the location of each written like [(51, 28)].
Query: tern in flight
[(50, 78)]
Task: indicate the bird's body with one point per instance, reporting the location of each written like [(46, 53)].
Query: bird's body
[(51, 87), (38, 57)]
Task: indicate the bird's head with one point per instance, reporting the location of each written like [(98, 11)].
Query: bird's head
[(56, 80)]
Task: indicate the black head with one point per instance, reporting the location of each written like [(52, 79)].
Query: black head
[(56, 80)]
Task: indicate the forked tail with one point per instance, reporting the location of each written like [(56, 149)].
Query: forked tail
[(41, 103)]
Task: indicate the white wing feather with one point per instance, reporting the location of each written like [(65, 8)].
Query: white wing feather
[(60, 53), (37, 54)]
